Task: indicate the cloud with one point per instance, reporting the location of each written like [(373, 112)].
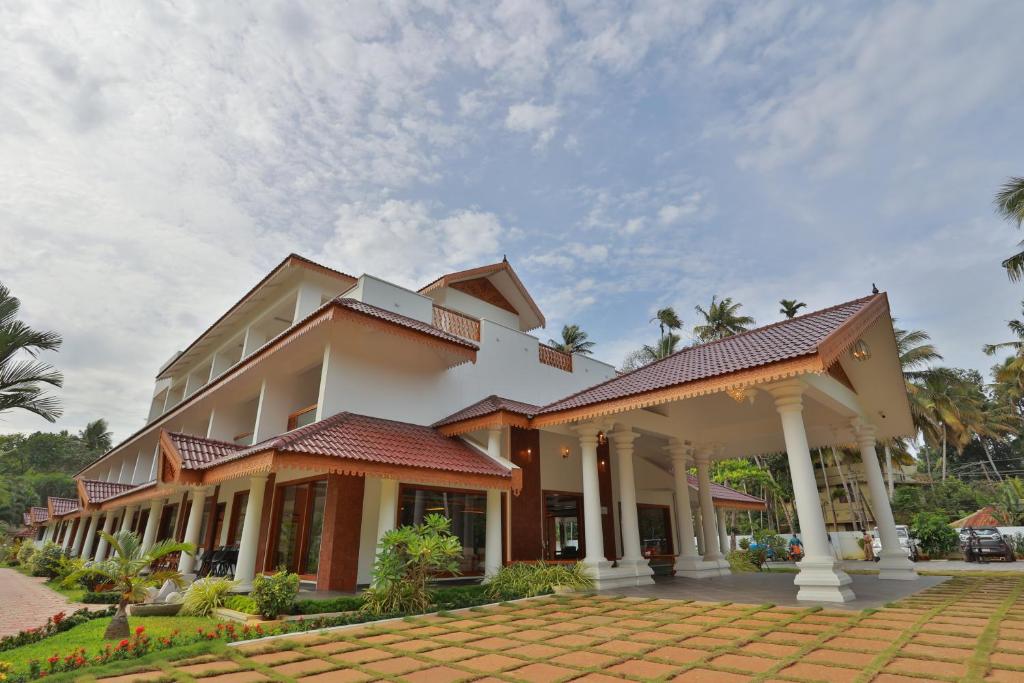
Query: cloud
[(671, 213), (534, 119)]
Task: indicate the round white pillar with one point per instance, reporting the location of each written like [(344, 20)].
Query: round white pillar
[(632, 552), (187, 561), (893, 563), (149, 538), (591, 497), (707, 509), (820, 576), (388, 504), (101, 547), (723, 531), (492, 542), (245, 567), (90, 538), (76, 545)]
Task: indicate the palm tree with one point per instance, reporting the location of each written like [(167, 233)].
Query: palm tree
[(647, 354), (574, 340), (96, 436), (915, 351), (124, 570), (667, 319), (1017, 328), (20, 380), (721, 320), (790, 307), (1010, 205)]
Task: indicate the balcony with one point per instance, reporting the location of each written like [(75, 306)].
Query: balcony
[(554, 358), (459, 324)]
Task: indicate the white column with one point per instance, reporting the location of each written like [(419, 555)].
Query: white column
[(152, 524), (632, 552), (245, 567), (90, 537), (76, 544), (492, 542), (700, 530), (129, 514), (707, 511), (388, 503), (893, 562), (687, 560), (820, 576), (723, 531), (101, 547), (591, 497), (187, 562)]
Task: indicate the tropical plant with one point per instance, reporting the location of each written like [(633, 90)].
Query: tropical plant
[(667, 319), (721, 319), (746, 560), (274, 594), (21, 380), (574, 340), (1010, 205), (124, 569), (527, 579), (1010, 502), (25, 553), (647, 354), (206, 595), (410, 557), (97, 436), (241, 603), (936, 537), (46, 560), (791, 307)]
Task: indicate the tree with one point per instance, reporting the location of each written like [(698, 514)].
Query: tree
[(1010, 501), (721, 319), (98, 438), (125, 569), (647, 353), (790, 307), (21, 380), (1010, 205), (667, 319)]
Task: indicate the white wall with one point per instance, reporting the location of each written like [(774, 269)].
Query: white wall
[(470, 305)]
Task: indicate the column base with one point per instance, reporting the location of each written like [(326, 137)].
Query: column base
[(626, 574), (821, 580), (699, 568), (896, 566)]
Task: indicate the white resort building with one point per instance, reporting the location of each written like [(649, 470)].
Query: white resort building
[(324, 409)]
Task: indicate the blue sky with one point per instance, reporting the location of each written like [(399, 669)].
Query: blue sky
[(157, 160)]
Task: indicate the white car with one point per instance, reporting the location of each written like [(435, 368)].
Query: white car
[(907, 544)]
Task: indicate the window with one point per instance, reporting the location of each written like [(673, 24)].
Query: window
[(465, 509), (655, 529), (299, 519)]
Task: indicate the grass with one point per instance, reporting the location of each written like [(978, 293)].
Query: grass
[(90, 636)]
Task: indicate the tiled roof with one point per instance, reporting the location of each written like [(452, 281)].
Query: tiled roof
[(26, 518), (98, 491), (978, 519), (39, 515), (385, 442), (401, 320), (62, 506), (25, 532), (486, 406), (484, 271), (197, 452), (780, 341), (726, 495)]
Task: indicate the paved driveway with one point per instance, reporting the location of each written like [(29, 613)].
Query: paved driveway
[(966, 628), (26, 603)]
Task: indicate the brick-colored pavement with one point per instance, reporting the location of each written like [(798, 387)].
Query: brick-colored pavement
[(26, 603), (965, 629)]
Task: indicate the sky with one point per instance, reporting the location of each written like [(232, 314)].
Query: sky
[(157, 159)]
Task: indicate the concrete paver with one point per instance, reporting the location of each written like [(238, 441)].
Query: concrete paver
[(27, 603)]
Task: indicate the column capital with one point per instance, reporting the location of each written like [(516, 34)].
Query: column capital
[(788, 396), (258, 476), (587, 433), (678, 450), (864, 432), (702, 452), (624, 436)]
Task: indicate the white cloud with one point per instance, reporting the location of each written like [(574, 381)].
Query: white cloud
[(670, 213), (534, 119)]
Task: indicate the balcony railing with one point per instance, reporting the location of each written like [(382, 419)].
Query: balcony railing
[(456, 323), (554, 358)]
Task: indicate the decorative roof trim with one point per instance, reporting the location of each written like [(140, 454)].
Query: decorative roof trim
[(483, 271), (493, 420)]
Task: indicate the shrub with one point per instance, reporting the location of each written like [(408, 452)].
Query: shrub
[(457, 597), (936, 537), (25, 553), (242, 603), (527, 579), (274, 594), (744, 543), (10, 555), (345, 603), (46, 560), (1016, 542), (206, 595), (745, 560), (101, 598), (409, 558)]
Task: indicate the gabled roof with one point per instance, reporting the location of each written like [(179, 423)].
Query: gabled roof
[(94, 491), (985, 517), (485, 412), (197, 452), (725, 497), (403, 321), (58, 507), (818, 337), (38, 515), (482, 272)]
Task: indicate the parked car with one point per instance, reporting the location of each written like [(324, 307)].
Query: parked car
[(980, 543), (907, 544)]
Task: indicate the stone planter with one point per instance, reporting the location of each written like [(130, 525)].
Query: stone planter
[(235, 615), (156, 609)]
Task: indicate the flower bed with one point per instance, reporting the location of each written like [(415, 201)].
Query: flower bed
[(58, 623)]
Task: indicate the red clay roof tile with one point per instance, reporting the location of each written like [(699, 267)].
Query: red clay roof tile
[(98, 491), (62, 506), (402, 320), (486, 406), (39, 515), (197, 451)]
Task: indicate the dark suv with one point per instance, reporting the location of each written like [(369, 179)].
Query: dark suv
[(979, 544)]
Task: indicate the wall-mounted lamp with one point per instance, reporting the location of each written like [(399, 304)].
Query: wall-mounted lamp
[(602, 438), (565, 452), (860, 351)]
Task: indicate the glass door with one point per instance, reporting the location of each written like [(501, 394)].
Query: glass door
[(563, 526)]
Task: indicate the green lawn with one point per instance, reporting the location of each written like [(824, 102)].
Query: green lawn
[(90, 636)]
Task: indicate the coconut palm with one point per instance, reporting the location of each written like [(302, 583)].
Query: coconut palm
[(1010, 205), (21, 380), (915, 351), (790, 307), (721, 319), (96, 436), (1016, 345), (124, 570), (574, 340), (647, 353), (667, 319)]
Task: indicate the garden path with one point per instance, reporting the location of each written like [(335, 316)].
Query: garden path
[(26, 603)]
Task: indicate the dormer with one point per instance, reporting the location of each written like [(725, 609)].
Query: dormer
[(491, 292)]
